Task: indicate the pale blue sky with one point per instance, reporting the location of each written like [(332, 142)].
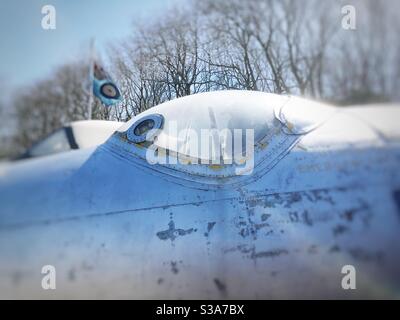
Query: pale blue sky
[(28, 52)]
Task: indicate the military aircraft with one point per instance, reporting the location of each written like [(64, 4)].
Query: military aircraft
[(146, 215)]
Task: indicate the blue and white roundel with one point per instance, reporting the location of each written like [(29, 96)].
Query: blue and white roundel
[(106, 91)]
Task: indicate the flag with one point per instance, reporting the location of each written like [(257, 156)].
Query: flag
[(103, 86)]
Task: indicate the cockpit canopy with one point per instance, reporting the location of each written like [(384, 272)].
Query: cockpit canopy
[(273, 122), (232, 110)]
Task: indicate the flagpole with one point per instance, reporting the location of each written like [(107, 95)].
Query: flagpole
[(91, 70)]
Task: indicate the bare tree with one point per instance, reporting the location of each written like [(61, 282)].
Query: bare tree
[(364, 67), (48, 104), (285, 47)]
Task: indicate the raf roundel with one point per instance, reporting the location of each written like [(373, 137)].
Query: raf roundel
[(110, 91)]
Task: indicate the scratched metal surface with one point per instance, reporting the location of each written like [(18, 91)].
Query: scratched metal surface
[(117, 228)]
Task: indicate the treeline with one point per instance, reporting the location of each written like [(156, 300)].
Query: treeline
[(281, 46)]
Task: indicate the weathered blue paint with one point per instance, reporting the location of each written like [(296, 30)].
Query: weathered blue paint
[(115, 226)]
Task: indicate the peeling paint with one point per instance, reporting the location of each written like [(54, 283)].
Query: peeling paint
[(174, 267), (210, 226), (220, 286), (270, 253), (172, 233), (365, 255), (339, 229)]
